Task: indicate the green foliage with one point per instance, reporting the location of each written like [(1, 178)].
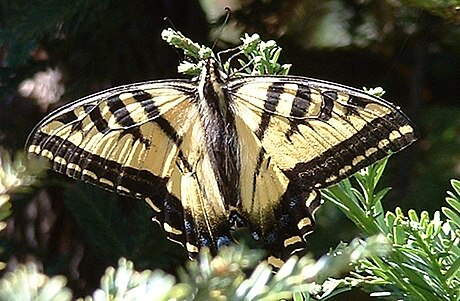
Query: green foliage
[(363, 207), (260, 57), (124, 283), (16, 176), (26, 283), (209, 278), (19, 30), (425, 258), (224, 277), (440, 161), (414, 258), (192, 51)]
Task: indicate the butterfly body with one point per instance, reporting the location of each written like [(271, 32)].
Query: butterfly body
[(220, 133), (205, 153)]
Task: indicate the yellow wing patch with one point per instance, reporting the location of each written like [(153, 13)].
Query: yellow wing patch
[(264, 184)]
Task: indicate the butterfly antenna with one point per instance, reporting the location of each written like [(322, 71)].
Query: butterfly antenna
[(242, 68), (171, 24), (228, 11), (168, 20), (393, 61)]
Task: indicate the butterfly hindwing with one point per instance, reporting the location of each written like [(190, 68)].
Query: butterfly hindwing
[(195, 183), (273, 207)]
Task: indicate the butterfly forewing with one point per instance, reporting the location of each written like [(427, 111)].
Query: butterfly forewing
[(316, 132), (125, 140)]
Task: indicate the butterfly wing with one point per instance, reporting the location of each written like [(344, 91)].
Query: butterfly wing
[(308, 134), (277, 210), (319, 133), (138, 140)]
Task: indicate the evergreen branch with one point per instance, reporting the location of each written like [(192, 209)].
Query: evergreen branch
[(26, 283), (209, 278), (224, 276), (424, 261), (16, 176), (363, 207)]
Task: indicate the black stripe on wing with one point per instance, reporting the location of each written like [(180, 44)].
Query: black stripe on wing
[(272, 98)]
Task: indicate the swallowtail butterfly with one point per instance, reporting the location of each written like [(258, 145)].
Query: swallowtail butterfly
[(220, 151)]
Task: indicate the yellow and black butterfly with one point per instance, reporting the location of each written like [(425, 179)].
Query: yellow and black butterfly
[(221, 151)]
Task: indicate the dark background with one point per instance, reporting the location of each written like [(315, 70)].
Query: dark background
[(78, 230)]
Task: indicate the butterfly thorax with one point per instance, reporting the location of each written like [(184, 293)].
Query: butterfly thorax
[(219, 130)]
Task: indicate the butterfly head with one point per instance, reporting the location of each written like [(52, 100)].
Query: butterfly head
[(212, 71)]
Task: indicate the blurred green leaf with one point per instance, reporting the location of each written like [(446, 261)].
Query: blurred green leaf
[(27, 284)]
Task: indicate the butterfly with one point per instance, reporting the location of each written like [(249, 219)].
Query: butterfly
[(219, 152)]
